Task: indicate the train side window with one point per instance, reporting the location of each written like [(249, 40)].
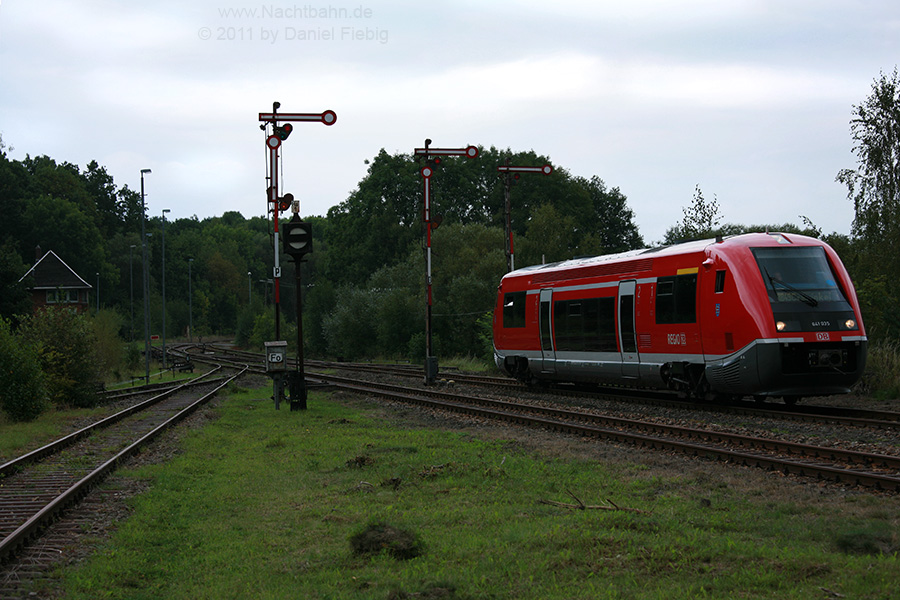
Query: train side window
[(665, 299), (568, 324), (676, 299), (720, 282), (585, 325), (514, 309), (604, 335)]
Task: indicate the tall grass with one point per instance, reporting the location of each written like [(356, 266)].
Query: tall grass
[(882, 376)]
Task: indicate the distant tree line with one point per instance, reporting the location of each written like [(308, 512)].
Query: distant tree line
[(363, 286)]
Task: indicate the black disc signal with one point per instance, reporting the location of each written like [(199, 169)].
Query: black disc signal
[(297, 237)]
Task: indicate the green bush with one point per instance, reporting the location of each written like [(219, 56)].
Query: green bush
[(349, 328), (22, 393), (132, 361), (106, 325), (417, 347), (67, 347)]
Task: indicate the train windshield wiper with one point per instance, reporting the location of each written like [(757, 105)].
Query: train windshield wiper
[(803, 295)]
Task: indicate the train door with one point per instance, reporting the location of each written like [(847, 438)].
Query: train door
[(631, 360), (546, 326)]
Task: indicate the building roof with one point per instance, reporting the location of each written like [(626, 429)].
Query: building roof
[(51, 272)]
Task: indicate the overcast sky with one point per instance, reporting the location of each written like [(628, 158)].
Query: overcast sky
[(750, 100)]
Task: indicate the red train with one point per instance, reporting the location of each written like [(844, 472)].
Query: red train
[(762, 314)]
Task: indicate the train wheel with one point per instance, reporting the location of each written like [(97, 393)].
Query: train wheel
[(700, 386), (759, 399), (520, 371), (791, 400)]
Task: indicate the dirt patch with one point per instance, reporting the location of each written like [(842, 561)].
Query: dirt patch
[(381, 537), (358, 462)]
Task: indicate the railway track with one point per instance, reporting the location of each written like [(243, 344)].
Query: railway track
[(834, 415), (866, 469), (37, 487), (809, 413), (875, 471)]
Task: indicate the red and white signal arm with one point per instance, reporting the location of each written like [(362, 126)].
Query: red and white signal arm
[(328, 117), (545, 170), (468, 151)]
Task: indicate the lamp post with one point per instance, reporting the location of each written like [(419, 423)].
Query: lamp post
[(131, 285), (98, 293), (190, 303), (146, 282), (249, 290), (164, 211)]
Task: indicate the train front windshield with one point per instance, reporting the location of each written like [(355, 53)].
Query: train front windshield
[(804, 291), (798, 275)]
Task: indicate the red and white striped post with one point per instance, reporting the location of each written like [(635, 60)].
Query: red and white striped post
[(427, 171)]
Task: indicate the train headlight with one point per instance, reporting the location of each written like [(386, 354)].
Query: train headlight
[(850, 324), (780, 325)]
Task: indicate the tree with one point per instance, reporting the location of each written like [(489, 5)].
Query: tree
[(22, 393), (61, 181), (382, 218), (128, 202), (874, 186), (349, 328), (378, 221), (700, 220), (100, 185), (13, 186), (468, 265), (14, 298), (549, 237), (67, 347), (60, 225), (613, 222)]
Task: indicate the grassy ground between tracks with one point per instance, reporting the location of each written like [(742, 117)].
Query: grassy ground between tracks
[(17, 438), (263, 504)]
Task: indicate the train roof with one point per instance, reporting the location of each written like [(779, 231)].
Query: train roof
[(638, 260)]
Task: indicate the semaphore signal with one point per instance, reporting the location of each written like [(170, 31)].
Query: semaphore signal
[(300, 239), (432, 159)]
